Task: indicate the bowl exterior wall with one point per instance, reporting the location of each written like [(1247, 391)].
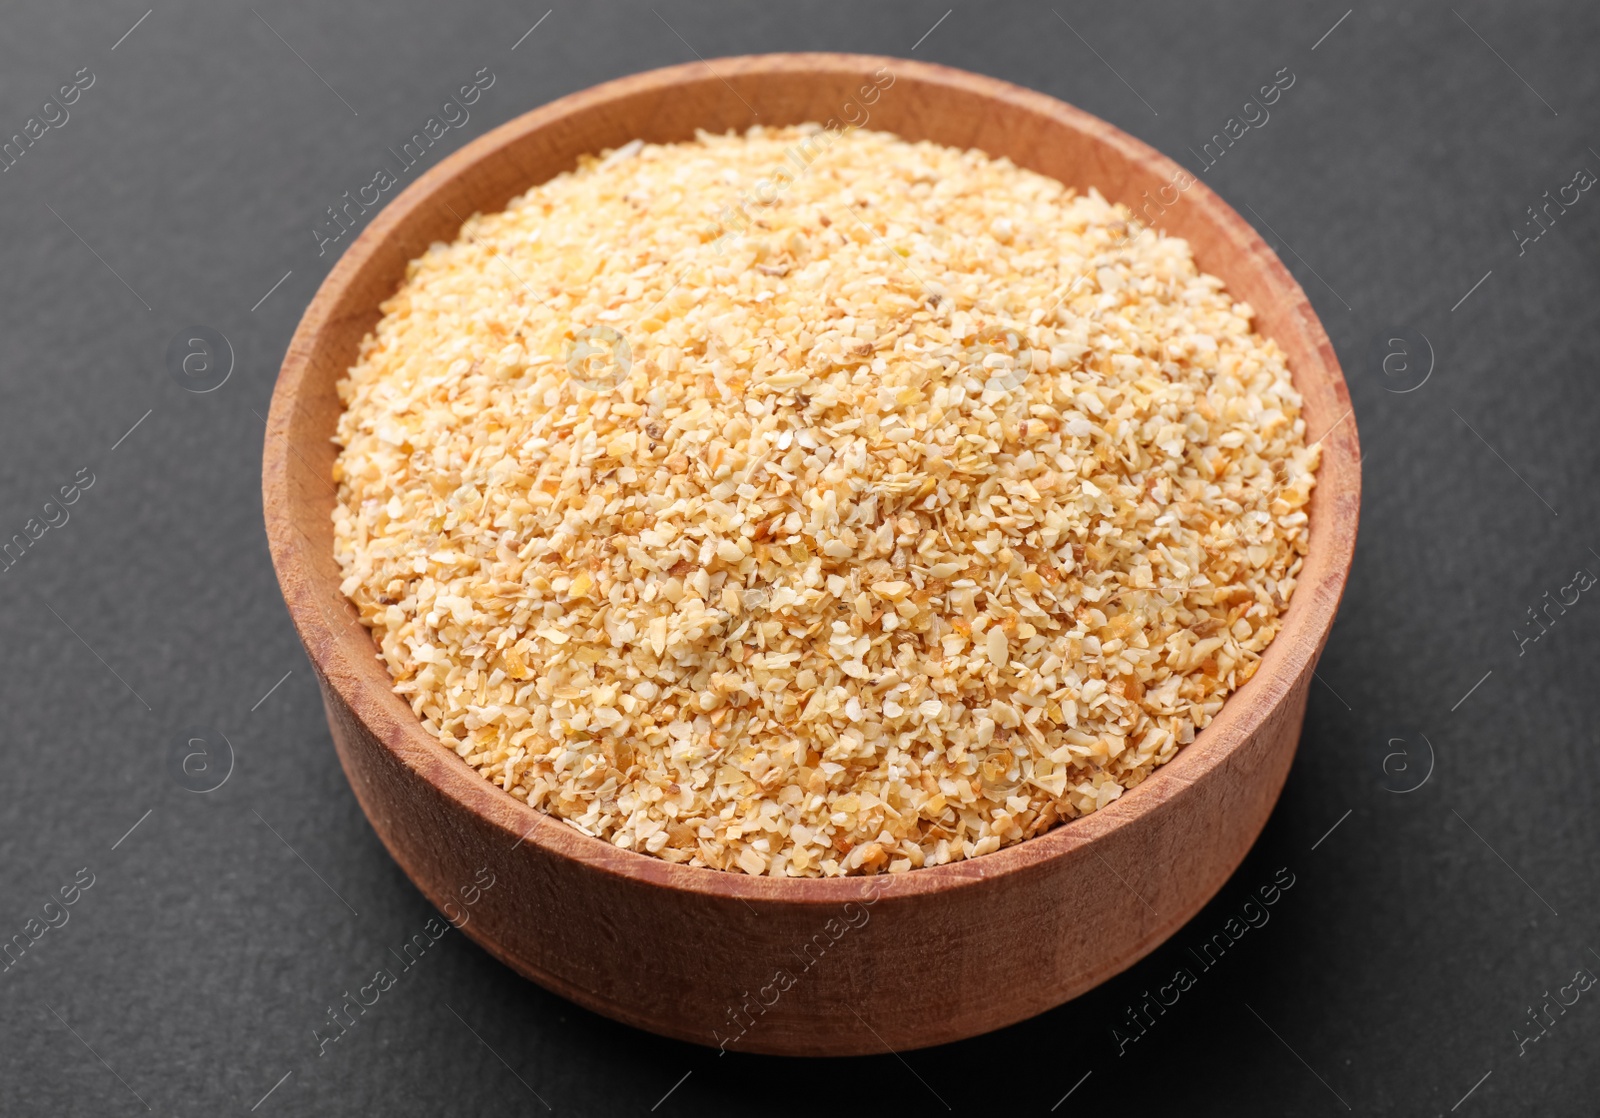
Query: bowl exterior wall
[(801, 979)]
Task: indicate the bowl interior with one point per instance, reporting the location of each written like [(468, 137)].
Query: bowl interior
[(919, 102)]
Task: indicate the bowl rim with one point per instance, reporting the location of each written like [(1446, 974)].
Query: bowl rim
[(1290, 655)]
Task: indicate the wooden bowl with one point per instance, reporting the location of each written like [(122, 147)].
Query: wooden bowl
[(803, 966)]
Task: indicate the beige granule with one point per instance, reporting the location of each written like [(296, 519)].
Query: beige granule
[(931, 507)]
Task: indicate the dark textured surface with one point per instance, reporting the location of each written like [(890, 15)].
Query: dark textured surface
[(1394, 974)]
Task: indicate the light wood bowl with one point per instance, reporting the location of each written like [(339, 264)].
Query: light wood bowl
[(919, 958)]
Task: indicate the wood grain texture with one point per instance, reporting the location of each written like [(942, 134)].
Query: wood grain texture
[(898, 962)]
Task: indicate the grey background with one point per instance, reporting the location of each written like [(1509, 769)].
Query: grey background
[(192, 974)]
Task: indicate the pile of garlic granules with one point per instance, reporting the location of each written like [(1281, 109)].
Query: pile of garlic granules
[(936, 506)]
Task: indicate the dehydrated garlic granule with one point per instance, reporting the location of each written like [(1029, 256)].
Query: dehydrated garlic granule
[(932, 506)]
